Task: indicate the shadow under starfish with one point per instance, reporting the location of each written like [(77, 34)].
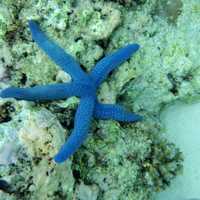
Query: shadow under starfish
[(83, 85)]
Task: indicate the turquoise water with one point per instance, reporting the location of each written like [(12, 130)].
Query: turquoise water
[(183, 128)]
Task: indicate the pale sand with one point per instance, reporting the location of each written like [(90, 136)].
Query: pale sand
[(183, 128)]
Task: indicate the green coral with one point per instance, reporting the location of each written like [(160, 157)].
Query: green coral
[(173, 71), (119, 161), (127, 161)]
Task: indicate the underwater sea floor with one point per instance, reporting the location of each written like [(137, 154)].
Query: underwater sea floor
[(118, 161), (182, 123)]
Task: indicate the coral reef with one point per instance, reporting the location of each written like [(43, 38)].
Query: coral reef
[(120, 161)]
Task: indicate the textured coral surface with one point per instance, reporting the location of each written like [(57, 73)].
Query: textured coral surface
[(118, 161)]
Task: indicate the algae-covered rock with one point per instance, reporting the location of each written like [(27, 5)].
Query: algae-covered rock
[(85, 192), (173, 72), (5, 19), (31, 147), (131, 159), (119, 161)]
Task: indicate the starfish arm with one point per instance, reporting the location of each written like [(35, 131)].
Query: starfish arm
[(114, 112), (110, 62), (56, 53), (44, 93), (81, 126)]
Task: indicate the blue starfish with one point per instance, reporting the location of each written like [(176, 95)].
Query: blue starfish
[(83, 86)]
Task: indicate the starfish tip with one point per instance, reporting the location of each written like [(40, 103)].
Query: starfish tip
[(135, 46), (58, 159), (138, 118), (32, 24)]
